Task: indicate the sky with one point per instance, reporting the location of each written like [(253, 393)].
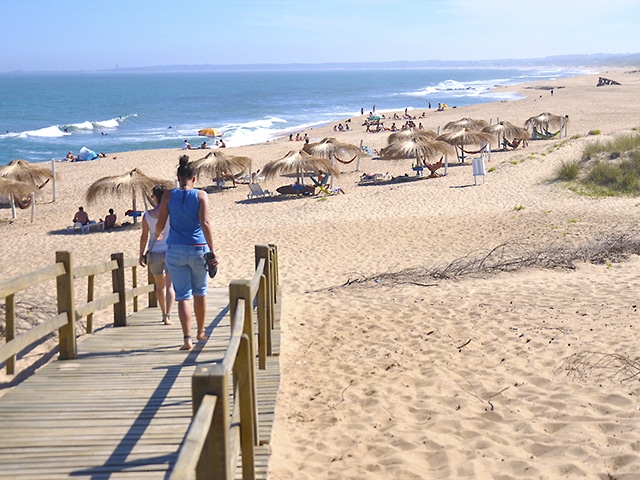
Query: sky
[(67, 35)]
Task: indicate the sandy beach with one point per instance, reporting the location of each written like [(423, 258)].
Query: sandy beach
[(401, 376)]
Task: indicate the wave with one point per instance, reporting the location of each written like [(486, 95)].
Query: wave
[(56, 131)]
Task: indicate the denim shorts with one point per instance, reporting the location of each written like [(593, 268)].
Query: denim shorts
[(156, 263), (186, 265)]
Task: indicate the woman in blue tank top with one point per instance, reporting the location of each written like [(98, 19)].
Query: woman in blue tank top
[(190, 237)]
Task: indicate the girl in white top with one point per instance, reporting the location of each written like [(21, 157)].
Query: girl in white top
[(156, 250)]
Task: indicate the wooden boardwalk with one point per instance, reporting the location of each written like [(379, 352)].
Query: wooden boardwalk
[(122, 408)]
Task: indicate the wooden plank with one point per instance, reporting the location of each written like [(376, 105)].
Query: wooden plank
[(122, 407)]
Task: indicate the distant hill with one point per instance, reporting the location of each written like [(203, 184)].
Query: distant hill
[(593, 60)]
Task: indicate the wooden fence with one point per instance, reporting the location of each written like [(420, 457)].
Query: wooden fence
[(225, 412), (65, 273)]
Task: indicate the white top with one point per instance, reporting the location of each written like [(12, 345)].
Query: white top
[(156, 245)]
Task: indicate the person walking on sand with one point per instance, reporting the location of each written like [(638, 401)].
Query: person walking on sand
[(189, 244), (156, 253)]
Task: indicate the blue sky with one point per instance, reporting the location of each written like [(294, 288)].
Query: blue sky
[(88, 35)]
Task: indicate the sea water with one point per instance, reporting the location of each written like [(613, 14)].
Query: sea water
[(43, 116)]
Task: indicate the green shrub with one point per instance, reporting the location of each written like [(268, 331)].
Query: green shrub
[(569, 171), (594, 132)]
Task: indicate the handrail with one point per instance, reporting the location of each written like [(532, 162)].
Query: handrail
[(64, 272), (233, 423)]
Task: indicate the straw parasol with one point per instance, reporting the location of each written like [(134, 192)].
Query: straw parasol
[(465, 122), (132, 183), (506, 132), (422, 149), (23, 171), (410, 134), (16, 192), (543, 123), (299, 163), (464, 136), (332, 149), (218, 165)]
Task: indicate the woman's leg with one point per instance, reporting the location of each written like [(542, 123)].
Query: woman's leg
[(200, 308), (170, 296), (159, 280), (184, 312)]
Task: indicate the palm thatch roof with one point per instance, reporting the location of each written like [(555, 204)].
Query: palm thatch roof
[(132, 183), (410, 134), (507, 131), (546, 121), (217, 165), (14, 190), (298, 162), (422, 149), (331, 148), (23, 171), (465, 122)]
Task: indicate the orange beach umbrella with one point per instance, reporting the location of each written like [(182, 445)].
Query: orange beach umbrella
[(210, 132)]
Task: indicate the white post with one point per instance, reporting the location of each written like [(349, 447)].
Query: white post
[(53, 171), (33, 206), (13, 208)]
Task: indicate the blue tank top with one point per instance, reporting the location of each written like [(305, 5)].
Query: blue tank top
[(184, 211)]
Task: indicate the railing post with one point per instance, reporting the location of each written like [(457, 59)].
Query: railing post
[(91, 280), (119, 287), (248, 417), (241, 289), (153, 299), (134, 284), (262, 251), (264, 331), (10, 330), (213, 463), (66, 301)]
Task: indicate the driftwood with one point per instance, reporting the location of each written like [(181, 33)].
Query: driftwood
[(606, 81)]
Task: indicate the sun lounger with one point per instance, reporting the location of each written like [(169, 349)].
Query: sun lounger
[(91, 226), (256, 191)]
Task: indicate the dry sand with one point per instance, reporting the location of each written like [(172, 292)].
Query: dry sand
[(431, 379)]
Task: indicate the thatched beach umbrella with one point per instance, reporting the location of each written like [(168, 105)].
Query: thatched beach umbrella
[(465, 122), (132, 183), (506, 132), (465, 137), (410, 134), (298, 163), (332, 149), (23, 171), (424, 150), (218, 165), (543, 124), (17, 193), (13, 189), (31, 174)]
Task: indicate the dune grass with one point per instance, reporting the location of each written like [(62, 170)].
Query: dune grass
[(606, 168)]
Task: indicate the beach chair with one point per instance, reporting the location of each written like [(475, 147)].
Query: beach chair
[(256, 191)]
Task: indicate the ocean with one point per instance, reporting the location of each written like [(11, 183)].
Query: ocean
[(43, 116)]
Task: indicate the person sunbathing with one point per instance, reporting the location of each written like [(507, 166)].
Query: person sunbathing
[(81, 216), (110, 220)]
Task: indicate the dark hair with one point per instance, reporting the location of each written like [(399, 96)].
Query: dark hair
[(186, 170), (158, 191), (111, 211)]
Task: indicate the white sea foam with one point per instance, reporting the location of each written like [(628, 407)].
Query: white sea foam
[(47, 132)]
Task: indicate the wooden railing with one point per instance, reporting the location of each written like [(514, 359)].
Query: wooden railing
[(225, 410), (65, 273)]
